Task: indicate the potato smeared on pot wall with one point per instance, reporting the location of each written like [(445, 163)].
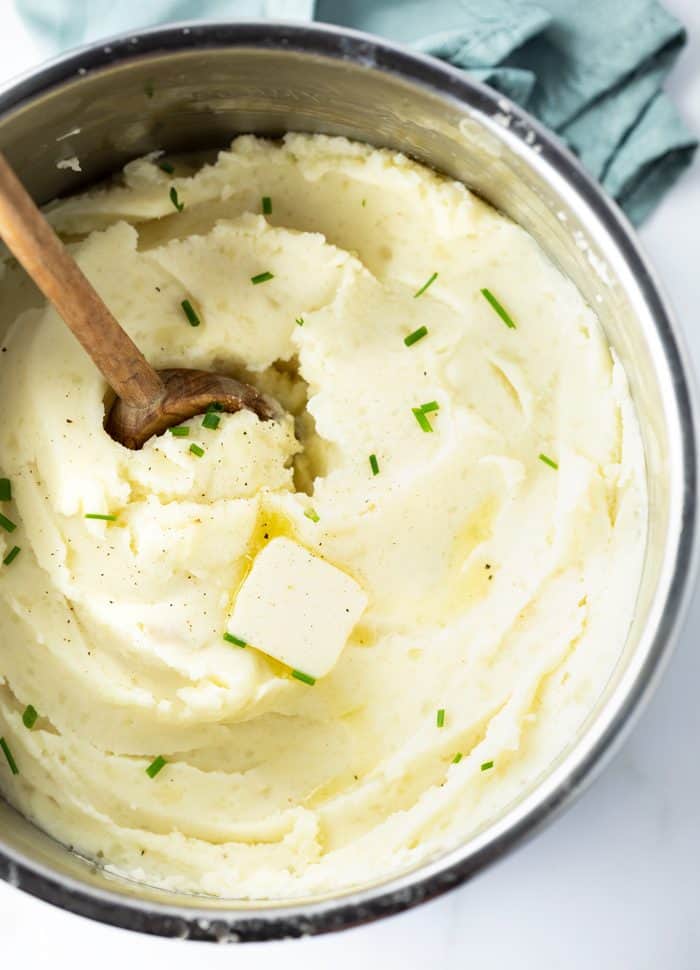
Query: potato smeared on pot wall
[(460, 446)]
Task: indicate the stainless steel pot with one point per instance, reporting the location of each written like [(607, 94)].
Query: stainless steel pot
[(195, 86)]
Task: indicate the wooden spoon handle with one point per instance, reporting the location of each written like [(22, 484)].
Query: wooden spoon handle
[(36, 246)]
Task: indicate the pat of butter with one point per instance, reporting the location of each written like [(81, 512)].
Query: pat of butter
[(297, 608)]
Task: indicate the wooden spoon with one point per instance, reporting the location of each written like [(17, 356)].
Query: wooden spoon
[(148, 401)]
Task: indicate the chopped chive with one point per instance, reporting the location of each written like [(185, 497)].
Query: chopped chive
[(421, 419), (440, 719), (148, 88), (190, 313), (214, 406), (8, 754), (420, 414), (211, 421), (414, 337), (299, 321), (11, 556), (266, 205), (166, 167), (262, 277), (457, 758), (29, 718), (180, 431), (425, 286), (196, 450), (5, 490), (499, 308), (304, 678), (374, 464), (487, 765), (364, 203), (6, 523), (548, 461), (175, 201), (155, 766), (311, 514), (229, 638), (99, 515)]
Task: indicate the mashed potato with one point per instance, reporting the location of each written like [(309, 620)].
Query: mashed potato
[(499, 543)]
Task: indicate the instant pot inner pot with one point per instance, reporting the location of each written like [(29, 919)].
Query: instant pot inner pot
[(194, 99)]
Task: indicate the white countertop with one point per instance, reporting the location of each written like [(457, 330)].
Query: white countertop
[(614, 884)]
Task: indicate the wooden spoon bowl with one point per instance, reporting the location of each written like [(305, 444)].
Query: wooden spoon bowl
[(185, 394)]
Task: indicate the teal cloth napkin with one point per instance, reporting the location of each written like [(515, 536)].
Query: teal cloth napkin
[(592, 70)]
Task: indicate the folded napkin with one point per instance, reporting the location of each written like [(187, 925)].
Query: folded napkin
[(592, 70)]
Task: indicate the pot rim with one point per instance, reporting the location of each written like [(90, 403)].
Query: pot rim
[(581, 764)]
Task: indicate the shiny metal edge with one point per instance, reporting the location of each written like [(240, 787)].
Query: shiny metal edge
[(585, 760)]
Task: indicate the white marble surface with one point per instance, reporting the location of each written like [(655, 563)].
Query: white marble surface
[(612, 885)]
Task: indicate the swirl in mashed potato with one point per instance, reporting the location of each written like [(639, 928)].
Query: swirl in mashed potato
[(500, 585)]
